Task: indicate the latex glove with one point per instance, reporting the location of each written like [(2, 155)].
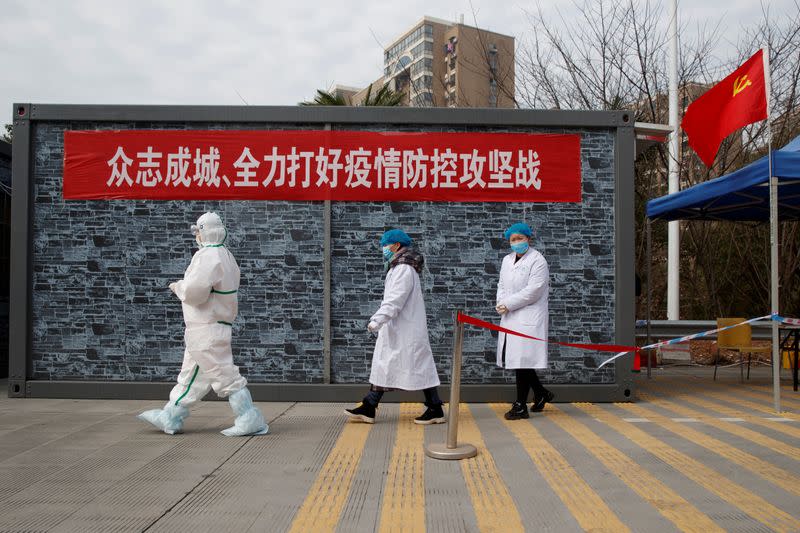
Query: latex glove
[(373, 327), (501, 309)]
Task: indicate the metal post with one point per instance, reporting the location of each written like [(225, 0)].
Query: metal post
[(326, 289), (649, 287), (673, 227), (451, 448), (20, 291), (773, 243)]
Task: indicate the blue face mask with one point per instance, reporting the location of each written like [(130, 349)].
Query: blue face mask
[(520, 247), (387, 253)]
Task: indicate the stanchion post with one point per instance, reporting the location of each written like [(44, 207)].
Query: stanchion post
[(451, 449), (649, 288)]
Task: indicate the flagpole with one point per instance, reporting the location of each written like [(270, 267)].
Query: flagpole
[(673, 181), (773, 241)]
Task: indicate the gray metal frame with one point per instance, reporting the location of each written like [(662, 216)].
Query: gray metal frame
[(22, 249)]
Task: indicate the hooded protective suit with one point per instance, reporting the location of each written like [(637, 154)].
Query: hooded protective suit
[(208, 292)]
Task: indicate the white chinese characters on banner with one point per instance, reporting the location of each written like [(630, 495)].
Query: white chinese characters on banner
[(206, 168), (328, 167), (245, 169), (149, 174), (178, 168), (383, 168), (119, 168)]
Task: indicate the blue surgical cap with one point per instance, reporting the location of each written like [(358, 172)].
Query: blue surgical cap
[(395, 235), (521, 228)]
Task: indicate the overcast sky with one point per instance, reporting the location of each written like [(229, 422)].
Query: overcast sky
[(271, 52)]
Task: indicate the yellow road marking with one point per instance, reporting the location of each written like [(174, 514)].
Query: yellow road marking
[(735, 429), (781, 427), (766, 390), (768, 471), (325, 501), (583, 502), (743, 391), (494, 508), (403, 506), (669, 503), (736, 399), (711, 480), (733, 391)]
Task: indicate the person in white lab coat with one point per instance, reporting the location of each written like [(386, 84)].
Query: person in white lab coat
[(522, 294), (402, 358), (208, 292)]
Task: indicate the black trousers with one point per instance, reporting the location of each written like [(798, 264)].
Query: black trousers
[(432, 399), (527, 380)]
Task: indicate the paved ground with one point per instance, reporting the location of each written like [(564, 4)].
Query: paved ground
[(690, 455)]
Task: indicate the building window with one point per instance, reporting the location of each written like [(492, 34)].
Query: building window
[(403, 45), (402, 64), (423, 83), (423, 100), (492, 93), (422, 66), (493, 58), (450, 46)]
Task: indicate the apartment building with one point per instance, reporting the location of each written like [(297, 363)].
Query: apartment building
[(437, 63)]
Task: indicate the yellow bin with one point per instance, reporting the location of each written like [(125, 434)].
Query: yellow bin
[(787, 359)]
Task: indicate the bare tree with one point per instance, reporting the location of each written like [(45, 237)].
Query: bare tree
[(613, 55)]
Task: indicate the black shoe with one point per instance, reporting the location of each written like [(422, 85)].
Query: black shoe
[(432, 415), (363, 412), (518, 410), (538, 403)]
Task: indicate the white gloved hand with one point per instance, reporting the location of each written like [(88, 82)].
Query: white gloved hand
[(373, 327), (501, 309)]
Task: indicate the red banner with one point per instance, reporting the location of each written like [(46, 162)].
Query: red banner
[(321, 165)]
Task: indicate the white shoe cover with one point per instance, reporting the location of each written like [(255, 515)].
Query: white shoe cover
[(249, 420), (169, 420)]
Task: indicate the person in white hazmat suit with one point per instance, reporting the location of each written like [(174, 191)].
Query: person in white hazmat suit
[(208, 293), (522, 294), (402, 358)]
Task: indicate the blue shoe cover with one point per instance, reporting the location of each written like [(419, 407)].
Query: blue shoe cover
[(169, 419), (249, 420)]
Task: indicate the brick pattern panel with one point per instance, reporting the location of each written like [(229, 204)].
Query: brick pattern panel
[(102, 309)]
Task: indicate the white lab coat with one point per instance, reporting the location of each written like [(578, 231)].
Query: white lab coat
[(208, 292), (402, 358), (523, 288)]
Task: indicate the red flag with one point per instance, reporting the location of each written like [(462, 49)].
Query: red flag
[(738, 100)]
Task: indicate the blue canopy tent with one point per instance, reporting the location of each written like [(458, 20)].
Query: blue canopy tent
[(743, 195)]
